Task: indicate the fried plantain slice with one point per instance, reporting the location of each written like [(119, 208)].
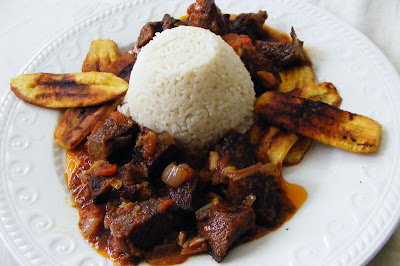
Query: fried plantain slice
[(68, 90), (296, 77), (292, 79), (77, 123), (320, 121), (296, 153), (322, 92), (101, 54), (293, 151), (274, 145)]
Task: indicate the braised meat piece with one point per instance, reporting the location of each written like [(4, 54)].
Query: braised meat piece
[(256, 186), (188, 195), (123, 65), (233, 150), (263, 73), (99, 179), (284, 54), (106, 183), (149, 30), (251, 24), (123, 252), (169, 22), (143, 224), (115, 134), (153, 152), (205, 14), (222, 224), (262, 70)]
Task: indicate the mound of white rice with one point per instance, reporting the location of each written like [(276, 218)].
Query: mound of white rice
[(188, 82)]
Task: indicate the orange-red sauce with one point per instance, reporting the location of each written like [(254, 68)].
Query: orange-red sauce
[(77, 160), (297, 194)]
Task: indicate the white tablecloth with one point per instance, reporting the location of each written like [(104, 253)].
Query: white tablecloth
[(27, 25)]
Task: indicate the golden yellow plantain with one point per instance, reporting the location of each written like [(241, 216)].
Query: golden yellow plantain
[(297, 151), (77, 123), (293, 79), (68, 90), (320, 121), (296, 77), (292, 147), (274, 145), (101, 54), (322, 92)]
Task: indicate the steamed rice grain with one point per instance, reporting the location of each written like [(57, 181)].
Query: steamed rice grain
[(191, 84)]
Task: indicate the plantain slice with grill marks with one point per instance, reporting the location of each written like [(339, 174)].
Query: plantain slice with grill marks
[(323, 92), (320, 121), (77, 123), (101, 54), (68, 90), (295, 77), (273, 144), (282, 147), (297, 151)]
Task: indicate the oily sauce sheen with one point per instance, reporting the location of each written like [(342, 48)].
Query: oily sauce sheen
[(77, 161)]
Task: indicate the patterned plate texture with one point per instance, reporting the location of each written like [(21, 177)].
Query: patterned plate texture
[(353, 201)]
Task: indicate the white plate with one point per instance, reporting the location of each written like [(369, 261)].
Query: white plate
[(354, 202)]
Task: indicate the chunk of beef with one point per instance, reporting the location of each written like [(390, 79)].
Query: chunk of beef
[(262, 70), (106, 183), (115, 134), (149, 30), (263, 73), (257, 186), (169, 22), (188, 195), (122, 66), (233, 150), (143, 224), (205, 14), (285, 54), (252, 180), (123, 252), (251, 24), (153, 152), (222, 224), (130, 174)]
